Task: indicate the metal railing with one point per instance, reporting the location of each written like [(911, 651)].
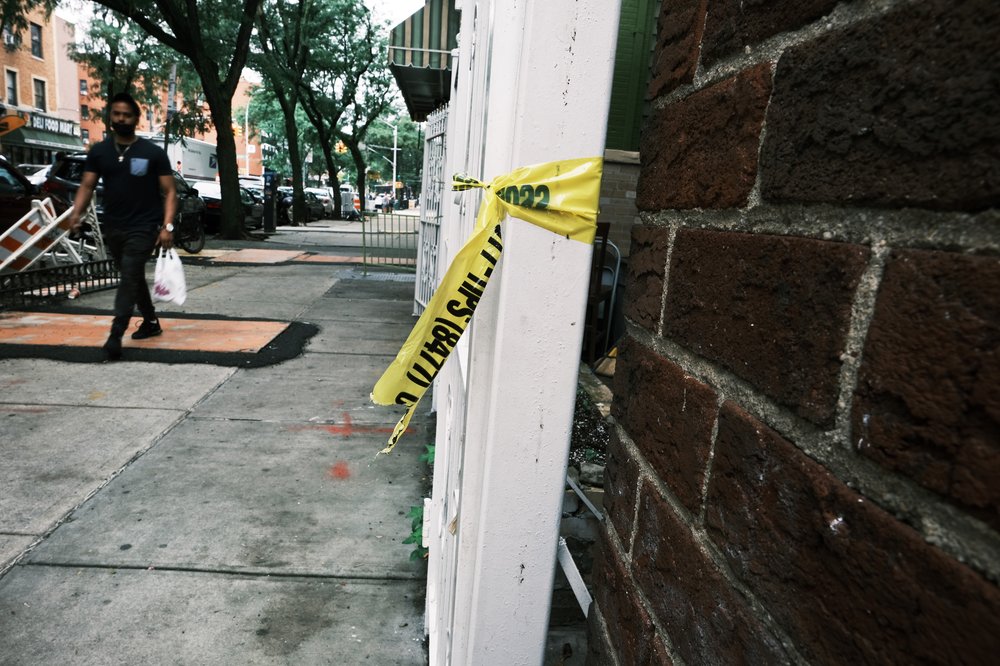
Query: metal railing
[(389, 239), (35, 286)]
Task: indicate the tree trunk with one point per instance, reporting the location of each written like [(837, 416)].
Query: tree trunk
[(231, 224), (331, 170), (359, 164)]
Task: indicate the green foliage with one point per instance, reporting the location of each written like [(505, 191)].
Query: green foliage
[(346, 83), (409, 141), (214, 36), (416, 516), (121, 57), (13, 17)]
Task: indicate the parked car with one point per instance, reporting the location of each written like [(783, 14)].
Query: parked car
[(211, 192), (64, 180), (190, 205), (256, 218), (16, 195), (314, 208), (257, 193), (35, 173), (65, 176), (324, 198)]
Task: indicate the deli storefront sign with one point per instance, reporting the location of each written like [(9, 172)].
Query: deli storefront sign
[(40, 121)]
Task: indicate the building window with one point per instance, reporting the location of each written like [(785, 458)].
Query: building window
[(84, 113), (36, 40), (12, 88), (40, 95), (83, 87), (8, 38), (85, 135)]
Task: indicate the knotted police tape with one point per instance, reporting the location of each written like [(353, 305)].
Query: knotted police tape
[(559, 196)]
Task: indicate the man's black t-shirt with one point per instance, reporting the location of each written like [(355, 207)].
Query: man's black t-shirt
[(132, 185)]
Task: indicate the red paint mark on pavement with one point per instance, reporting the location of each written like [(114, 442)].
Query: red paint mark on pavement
[(339, 471), (26, 410), (347, 429)]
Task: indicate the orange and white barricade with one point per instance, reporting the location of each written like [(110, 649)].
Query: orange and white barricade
[(37, 234)]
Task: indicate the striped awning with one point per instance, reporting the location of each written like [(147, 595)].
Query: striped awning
[(33, 138), (420, 56)]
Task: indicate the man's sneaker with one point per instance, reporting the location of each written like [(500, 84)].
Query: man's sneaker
[(147, 329), (113, 348)]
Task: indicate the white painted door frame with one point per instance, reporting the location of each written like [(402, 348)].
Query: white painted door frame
[(533, 85)]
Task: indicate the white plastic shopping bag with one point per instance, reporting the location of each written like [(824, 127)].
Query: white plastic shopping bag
[(168, 279)]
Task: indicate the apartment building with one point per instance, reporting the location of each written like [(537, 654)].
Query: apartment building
[(248, 149), (39, 87)]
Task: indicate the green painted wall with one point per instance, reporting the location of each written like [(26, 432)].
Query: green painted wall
[(636, 32)]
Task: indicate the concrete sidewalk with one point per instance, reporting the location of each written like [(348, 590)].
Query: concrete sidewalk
[(191, 513)]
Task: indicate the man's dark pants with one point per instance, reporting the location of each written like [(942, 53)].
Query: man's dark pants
[(131, 248)]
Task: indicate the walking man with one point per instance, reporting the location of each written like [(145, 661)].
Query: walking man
[(136, 217)]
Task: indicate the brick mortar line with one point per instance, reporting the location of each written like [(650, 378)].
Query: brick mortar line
[(671, 237), (842, 16), (899, 228), (640, 594), (754, 199), (605, 635), (710, 463), (964, 538), (705, 544), (862, 313)]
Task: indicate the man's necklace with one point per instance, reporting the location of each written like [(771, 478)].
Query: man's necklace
[(121, 151)]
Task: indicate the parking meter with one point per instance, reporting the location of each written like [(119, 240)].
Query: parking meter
[(271, 180)]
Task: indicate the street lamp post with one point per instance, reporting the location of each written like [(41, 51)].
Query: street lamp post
[(395, 147), (395, 143)]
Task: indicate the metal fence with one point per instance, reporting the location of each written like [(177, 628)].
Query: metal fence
[(389, 239), (37, 286), (432, 207)]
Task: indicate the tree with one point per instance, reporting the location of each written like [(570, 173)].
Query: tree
[(122, 58), (362, 111), (346, 85), (282, 59), (409, 144), (214, 35)]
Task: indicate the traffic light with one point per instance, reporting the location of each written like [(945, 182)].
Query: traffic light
[(237, 130), (340, 148)]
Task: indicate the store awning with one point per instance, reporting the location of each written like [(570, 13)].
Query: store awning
[(33, 138), (420, 56)]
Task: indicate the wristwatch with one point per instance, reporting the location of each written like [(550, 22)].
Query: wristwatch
[(169, 227)]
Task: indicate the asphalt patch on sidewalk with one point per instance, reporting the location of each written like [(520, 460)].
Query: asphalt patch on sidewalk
[(286, 345)]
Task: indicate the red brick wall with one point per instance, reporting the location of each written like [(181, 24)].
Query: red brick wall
[(806, 463)]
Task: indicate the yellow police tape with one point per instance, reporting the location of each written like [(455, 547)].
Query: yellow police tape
[(559, 196)]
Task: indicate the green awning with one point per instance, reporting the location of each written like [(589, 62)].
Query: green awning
[(34, 138), (420, 56)]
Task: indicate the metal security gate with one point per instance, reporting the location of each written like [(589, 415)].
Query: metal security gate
[(389, 239), (431, 208)]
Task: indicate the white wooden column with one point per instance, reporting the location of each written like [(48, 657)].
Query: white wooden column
[(541, 81)]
